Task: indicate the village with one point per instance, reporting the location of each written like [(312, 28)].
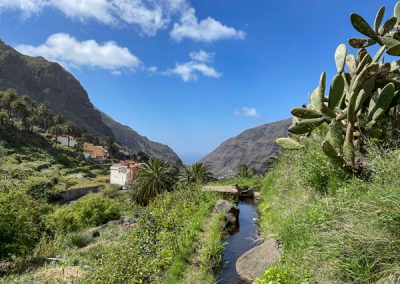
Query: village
[(121, 174)]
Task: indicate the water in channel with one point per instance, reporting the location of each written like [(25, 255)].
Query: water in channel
[(239, 242)]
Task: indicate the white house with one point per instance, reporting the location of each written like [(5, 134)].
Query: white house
[(119, 175), (67, 140)]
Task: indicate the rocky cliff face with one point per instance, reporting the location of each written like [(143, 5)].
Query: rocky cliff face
[(48, 81), (253, 148)]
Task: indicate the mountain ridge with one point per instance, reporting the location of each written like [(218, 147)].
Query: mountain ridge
[(253, 148), (43, 80)]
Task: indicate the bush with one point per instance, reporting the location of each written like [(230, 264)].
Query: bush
[(79, 240), (39, 187), (91, 210), (20, 224), (348, 234), (164, 240)]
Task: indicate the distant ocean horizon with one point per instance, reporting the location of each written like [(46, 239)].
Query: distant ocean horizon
[(190, 158)]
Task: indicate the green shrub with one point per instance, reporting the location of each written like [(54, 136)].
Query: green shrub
[(91, 210), (348, 234), (20, 223), (39, 187), (164, 240), (111, 191), (274, 275), (79, 240)]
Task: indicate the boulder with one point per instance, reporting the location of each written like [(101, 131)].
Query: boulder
[(128, 220), (252, 264), (93, 233), (231, 212)]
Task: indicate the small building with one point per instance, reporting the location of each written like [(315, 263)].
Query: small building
[(94, 152), (119, 175), (122, 173), (67, 140)]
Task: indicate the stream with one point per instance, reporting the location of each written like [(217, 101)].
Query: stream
[(239, 242)]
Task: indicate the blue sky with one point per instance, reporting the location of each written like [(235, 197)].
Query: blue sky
[(189, 74)]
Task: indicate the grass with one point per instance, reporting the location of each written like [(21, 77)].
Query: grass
[(159, 248), (333, 227), (207, 255)]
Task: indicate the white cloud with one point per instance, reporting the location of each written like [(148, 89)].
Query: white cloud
[(189, 71), (149, 15), (85, 9), (199, 65), (206, 30), (247, 112), (202, 56), (70, 52), (26, 6)]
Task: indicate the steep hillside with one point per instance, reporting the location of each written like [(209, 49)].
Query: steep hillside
[(253, 148), (127, 137), (48, 81)]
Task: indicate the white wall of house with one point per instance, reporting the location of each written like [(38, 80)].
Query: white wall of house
[(119, 175), (68, 141)]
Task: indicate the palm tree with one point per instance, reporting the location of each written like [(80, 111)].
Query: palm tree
[(153, 178), (45, 115), (56, 130), (197, 173), (3, 117), (6, 99), (244, 172), (19, 108)]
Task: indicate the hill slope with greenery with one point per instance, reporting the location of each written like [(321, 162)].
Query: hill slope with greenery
[(45, 81)]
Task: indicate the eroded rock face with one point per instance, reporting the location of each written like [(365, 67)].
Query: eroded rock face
[(252, 264), (231, 212), (253, 148)]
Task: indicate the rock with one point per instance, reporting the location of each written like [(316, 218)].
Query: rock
[(112, 223), (252, 148), (93, 233), (247, 193), (231, 212), (252, 264), (127, 221), (6, 266)]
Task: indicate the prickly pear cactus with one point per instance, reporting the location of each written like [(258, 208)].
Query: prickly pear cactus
[(364, 92)]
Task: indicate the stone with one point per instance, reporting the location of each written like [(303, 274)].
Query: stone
[(253, 263), (127, 220), (231, 212), (93, 233)]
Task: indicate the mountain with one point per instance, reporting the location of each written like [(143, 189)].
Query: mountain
[(43, 80), (129, 138), (253, 148)]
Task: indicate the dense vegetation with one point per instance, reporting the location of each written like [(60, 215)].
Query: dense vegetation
[(333, 226), (156, 243), (335, 208)]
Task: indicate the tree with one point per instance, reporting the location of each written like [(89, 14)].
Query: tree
[(140, 157), (6, 99), (153, 178), (244, 172), (45, 115), (198, 173), (112, 148), (19, 108), (56, 130), (3, 117)]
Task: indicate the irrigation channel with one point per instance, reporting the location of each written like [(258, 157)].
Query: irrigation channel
[(240, 241)]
